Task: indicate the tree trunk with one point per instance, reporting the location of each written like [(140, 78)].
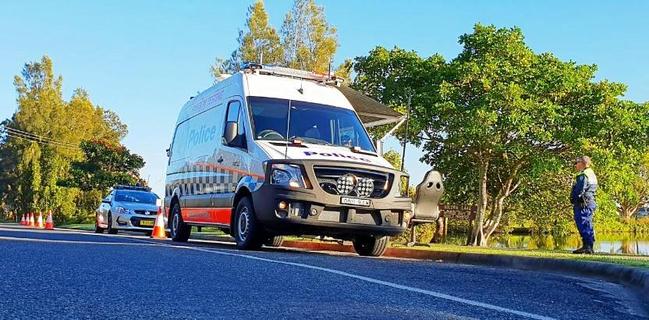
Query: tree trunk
[(477, 234)]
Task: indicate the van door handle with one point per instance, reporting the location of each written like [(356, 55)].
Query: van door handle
[(220, 159)]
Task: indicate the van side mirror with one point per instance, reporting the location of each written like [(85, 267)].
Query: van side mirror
[(231, 130), (168, 152)]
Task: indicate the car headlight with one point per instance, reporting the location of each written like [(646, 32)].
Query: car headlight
[(404, 185), (289, 175)]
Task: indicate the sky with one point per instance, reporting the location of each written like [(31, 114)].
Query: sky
[(144, 59)]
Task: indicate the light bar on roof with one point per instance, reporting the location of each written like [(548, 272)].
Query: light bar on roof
[(293, 73)]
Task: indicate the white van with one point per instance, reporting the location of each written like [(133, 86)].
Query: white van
[(272, 151)]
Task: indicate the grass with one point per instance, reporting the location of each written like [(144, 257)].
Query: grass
[(78, 226), (626, 260)]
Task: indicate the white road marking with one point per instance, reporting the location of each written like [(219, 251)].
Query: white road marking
[(81, 242), (431, 293), (377, 281)]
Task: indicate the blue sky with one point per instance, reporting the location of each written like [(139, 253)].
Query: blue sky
[(143, 59)]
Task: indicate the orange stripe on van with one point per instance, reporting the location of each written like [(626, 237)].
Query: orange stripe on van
[(207, 215), (245, 173)]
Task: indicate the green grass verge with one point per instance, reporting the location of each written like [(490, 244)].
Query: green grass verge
[(626, 260), (78, 226)]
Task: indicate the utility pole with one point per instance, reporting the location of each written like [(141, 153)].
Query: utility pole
[(405, 139)]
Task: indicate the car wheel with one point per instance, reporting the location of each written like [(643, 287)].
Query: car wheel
[(247, 231), (274, 241), (110, 229), (371, 246), (180, 231), (98, 229)]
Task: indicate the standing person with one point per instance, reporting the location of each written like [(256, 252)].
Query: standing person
[(583, 203)]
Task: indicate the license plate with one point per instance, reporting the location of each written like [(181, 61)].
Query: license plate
[(146, 223), (355, 201)]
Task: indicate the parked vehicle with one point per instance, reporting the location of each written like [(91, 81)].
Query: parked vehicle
[(643, 212), (127, 208), (274, 151)]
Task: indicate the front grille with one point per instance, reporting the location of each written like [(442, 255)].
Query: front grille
[(328, 176), (151, 213)]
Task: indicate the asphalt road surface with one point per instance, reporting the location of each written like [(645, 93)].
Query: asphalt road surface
[(75, 275)]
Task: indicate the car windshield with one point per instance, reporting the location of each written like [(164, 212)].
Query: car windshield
[(136, 196), (310, 122)]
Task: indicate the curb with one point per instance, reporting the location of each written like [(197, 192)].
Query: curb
[(630, 276)]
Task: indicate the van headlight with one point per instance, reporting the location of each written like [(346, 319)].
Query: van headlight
[(289, 175)]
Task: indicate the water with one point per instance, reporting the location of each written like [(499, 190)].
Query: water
[(618, 243)]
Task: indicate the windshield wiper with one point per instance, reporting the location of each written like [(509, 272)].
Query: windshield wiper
[(312, 140)]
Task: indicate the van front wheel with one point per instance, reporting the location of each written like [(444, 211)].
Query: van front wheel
[(247, 231), (180, 231), (371, 246)]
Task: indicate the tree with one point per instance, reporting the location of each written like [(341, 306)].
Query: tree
[(42, 139), (627, 179), (258, 43), (309, 41), (394, 158), (395, 76), (492, 115), (104, 166)]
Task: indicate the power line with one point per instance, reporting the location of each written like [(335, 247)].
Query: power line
[(37, 137), (16, 134), (12, 135), (32, 139), (43, 143)]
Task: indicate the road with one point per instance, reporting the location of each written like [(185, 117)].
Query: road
[(76, 275)]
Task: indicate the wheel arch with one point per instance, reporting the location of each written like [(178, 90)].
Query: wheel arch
[(242, 192)]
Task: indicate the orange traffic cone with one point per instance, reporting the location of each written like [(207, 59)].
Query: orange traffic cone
[(22, 220), (31, 220), (49, 223), (159, 227), (39, 222)]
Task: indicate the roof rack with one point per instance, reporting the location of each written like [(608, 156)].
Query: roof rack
[(125, 187), (330, 78)]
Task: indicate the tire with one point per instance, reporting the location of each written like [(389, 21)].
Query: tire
[(110, 229), (371, 246), (274, 241), (247, 231), (98, 229), (180, 231)]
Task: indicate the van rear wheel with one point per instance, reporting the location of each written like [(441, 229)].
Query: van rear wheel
[(371, 246), (247, 231), (180, 231)]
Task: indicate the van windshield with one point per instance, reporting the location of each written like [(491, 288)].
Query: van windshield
[(310, 122)]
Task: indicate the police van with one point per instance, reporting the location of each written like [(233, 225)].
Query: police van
[(272, 151)]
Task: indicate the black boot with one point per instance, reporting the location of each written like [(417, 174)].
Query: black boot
[(589, 249), (582, 250)]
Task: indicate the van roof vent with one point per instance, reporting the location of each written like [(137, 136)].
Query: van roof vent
[(330, 79)]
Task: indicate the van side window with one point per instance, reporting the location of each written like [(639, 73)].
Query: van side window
[(233, 115)]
